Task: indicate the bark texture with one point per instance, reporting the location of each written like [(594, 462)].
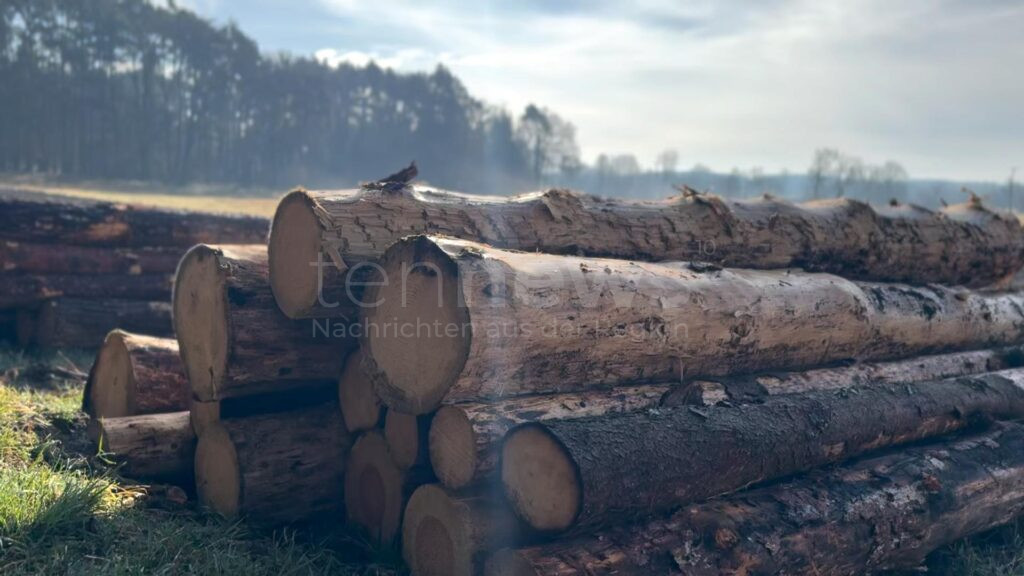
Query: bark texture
[(147, 368), (151, 446), (49, 259), (83, 223), (515, 323), (644, 462), (28, 290), (83, 323), (962, 244), (234, 341), (290, 465), (883, 513), (465, 439)]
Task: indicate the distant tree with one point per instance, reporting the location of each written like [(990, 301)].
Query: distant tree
[(550, 141), (824, 164), (625, 165), (666, 162)]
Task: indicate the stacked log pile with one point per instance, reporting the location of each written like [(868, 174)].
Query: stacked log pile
[(559, 384), (72, 270)]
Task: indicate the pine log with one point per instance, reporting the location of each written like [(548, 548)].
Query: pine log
[(561, 474), (152, 446), (28, 290), (276, 468), (376, 489), (962, 244), (449, 533), (234, 341), (407, 438), (86, 223), (359, 402), (83, 323), (459, 321), (758, 387), (879, 514), (465, 438), (51, 259), (135, 374)]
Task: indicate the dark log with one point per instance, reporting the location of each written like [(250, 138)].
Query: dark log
[(85, 223), (82, 323), (277, 468), (205, 413), (151, 446), (234, 341), (54, 259), (32, 290), (561, 474), (883, 513), (135, 374), (963, 244)]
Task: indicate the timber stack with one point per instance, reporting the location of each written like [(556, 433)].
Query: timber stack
[(556, 384)]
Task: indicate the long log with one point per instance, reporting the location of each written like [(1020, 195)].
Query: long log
[(50, 259), (561, 474), (376, 489), (86, 223), (206, 413), (451, 533), (277, 468), (963, 244), (458, 321), (359, 402), (135, 374), (151, 446), (234, 341), (880, 514), (29, 290), (465, 438), (84, 323)]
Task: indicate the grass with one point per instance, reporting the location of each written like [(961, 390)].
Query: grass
[(64, 510)]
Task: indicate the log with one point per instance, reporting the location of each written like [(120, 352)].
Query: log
[(275, 469), (880, 514), (359, 402), (450, 533), (376, 489), (459, 321), (204, 414), (561, 474), (135, 374), (86, 223), (962, 244), (465, 438), (83, 323), (51, 259), (31, 290), (151, 446), (407, 438), (234, 341)]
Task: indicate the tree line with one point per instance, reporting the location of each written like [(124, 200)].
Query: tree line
[(125, 89)]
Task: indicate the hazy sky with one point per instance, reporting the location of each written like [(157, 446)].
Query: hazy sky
[(935, 84)]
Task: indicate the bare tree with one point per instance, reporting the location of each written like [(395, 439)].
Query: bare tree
[(822, 167), (666, 162)]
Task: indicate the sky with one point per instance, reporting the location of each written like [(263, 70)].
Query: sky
[(937, 85)]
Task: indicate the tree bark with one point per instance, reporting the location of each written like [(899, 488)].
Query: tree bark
[(234, 341), (884, 513), (962, 244), (152, 446), (465, 439), (206, 413), (83, 323), (459, 321), (86, 223), (135, 374), (277, 468), (561, 474), (51, 259), (31, 290)]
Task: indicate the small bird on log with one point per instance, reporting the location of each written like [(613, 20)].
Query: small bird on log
[(396, 181)]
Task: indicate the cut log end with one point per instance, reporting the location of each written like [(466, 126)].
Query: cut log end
[(434, 535), (292, 251), (203, 415), (359, 402), (373, 488), (112, 381), (218, 479), (453, 447), (200, 319), (418, 333), (540, 479), (402, 431)]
